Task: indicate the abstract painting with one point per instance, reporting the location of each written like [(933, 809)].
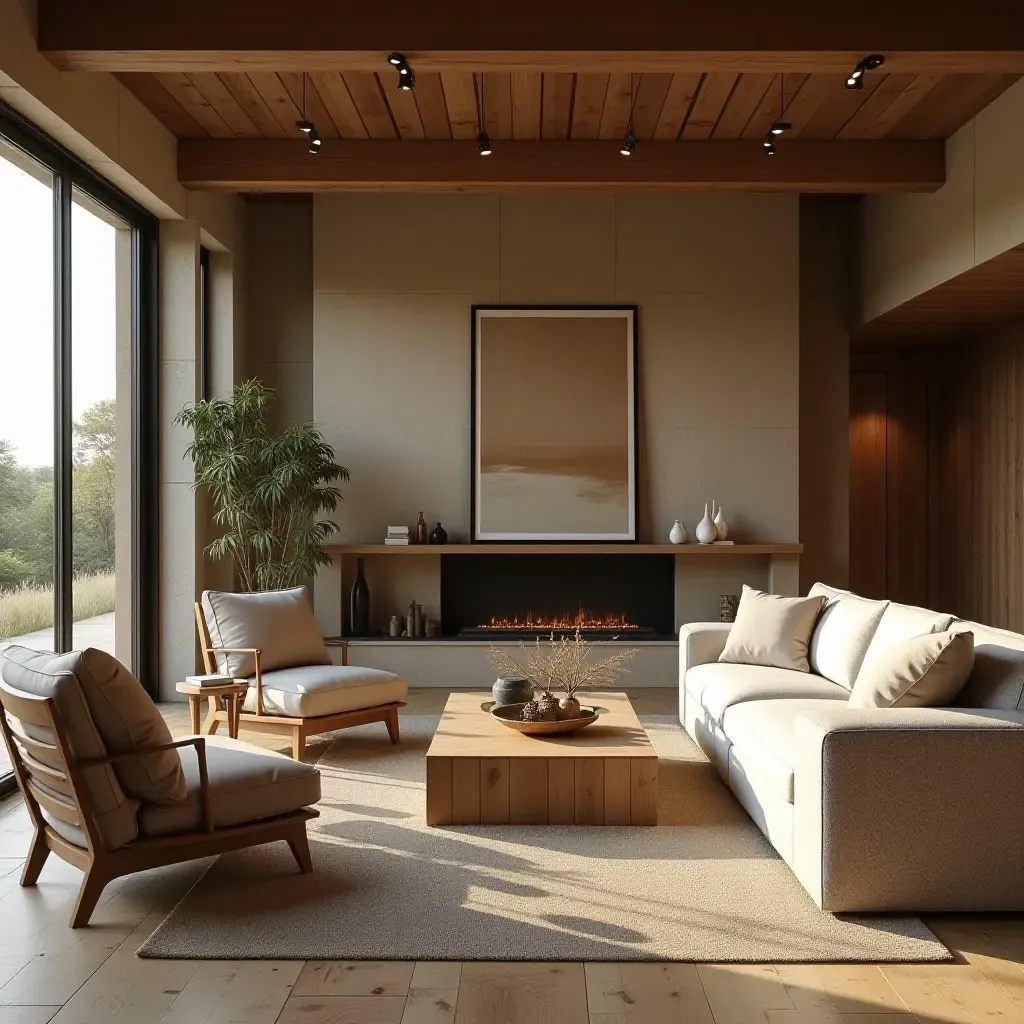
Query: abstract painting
[(554, 424)]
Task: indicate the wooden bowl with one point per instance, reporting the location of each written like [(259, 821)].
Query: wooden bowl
[(508, 714)]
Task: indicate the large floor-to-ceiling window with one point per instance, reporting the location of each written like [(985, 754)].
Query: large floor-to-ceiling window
[(77, 405)]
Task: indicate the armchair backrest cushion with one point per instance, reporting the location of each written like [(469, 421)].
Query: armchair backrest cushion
[(55, 677), (997, 680), (279, 623), (900, 622), (843, 633), (126, 719)]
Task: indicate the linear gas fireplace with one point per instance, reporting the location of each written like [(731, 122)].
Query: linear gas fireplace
[(501, 597)]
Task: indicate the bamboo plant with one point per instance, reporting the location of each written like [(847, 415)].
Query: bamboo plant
[(269, 490)]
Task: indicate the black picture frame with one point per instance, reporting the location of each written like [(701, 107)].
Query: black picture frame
[(631, 315)]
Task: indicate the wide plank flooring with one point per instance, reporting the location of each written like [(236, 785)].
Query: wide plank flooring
[(49, 973)]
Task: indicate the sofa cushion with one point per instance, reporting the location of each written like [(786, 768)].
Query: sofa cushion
[(247, 783), (718, 687), (56, 677), (923, 672), (843, 633), (280, 623), (997, 679), (761, 733), (772, 631), (900, 622), (316, 690)]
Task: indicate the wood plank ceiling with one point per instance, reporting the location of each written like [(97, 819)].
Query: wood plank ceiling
[(559, 105)]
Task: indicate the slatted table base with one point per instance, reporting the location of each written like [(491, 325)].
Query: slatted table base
[(542, 791)]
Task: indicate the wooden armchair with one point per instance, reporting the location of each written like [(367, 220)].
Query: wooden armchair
[(61, 790), (271, 640)]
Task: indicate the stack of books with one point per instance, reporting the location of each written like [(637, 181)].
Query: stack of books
[(397, 535), (212, 680)]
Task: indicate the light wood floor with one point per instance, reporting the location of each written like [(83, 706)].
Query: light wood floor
[(92, 976)]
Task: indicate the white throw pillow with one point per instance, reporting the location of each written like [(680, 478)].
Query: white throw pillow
[(922, 672), (901, 622), (843, 633), (772, 631)]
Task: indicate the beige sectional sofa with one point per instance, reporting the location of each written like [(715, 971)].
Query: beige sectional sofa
[(873, 809)]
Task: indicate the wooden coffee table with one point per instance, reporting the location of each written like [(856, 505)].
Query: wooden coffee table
[(479, 772)]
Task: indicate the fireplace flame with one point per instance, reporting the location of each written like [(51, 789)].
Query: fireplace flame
[(582, 620)]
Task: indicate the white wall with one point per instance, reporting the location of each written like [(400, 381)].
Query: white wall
[(911, 243), (716, 278)]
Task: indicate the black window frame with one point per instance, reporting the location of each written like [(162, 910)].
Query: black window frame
[(205, 285), (71, 174)]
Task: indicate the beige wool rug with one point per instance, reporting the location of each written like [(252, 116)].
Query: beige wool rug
[(704, 885)]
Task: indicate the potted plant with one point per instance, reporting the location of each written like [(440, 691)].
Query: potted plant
[(269, 489), (562, 663)]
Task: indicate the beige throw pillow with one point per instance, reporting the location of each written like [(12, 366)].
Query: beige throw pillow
[(772, 631), (923, 672), (280, 623)]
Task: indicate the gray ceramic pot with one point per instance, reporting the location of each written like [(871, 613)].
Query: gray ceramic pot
[(511, 690)]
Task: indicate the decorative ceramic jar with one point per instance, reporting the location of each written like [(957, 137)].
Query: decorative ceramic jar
[(720, 524), (706, 530), (511, 690), (439, 535), (420, 531), (728, 603), (678, 533)]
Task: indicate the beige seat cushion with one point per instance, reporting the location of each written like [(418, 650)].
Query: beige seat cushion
[(761, 733), (922, 672), (900, 622), (55, 677), (772, 631), (247, 783), (718, 687), (280, 623), (325, 690), (843, 633)]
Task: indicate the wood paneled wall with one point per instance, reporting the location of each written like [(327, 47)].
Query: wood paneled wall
[(894, 417), (937, 477), (982, 495)]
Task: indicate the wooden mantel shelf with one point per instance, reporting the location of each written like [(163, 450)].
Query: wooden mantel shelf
[(565, 549)]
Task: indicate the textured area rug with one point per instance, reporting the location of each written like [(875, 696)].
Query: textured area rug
[(703, 885)]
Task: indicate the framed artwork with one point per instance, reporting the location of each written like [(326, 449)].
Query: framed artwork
[(554, 418)]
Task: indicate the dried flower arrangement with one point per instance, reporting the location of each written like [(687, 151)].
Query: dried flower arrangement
[(561, 664)]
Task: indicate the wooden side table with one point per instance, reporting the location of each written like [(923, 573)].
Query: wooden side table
[(232, 694)]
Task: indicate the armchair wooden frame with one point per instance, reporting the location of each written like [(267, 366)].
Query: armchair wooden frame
[(63, 794), (300, 729)]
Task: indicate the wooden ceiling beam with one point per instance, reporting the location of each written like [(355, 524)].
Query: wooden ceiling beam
[(648, 35), (250, 165)]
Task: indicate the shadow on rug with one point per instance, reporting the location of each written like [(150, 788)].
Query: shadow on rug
[(704, 885)]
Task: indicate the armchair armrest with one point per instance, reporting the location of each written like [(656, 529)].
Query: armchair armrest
[(255, 652), (199, 742), (899, 809)]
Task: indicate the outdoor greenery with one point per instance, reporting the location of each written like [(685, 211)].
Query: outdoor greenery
[(268, 488), (26, 528)]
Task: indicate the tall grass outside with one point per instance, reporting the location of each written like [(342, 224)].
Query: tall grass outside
[(30, 606)]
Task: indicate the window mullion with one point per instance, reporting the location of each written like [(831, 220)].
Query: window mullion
[(63, 561)]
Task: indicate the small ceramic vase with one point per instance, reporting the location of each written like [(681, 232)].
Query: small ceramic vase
[(511, 690), (706, 532), (720, 524), (678, 533), (420, 530), (438, 535)]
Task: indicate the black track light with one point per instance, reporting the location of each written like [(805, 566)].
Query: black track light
[(406, 75), (305, 126), (483, 144), (864, 65), (315, 142), (628, 144), (779, 127), (769, 145)]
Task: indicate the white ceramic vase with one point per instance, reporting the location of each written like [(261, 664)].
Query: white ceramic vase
[(678, 533), (720, 524), (706, 531)]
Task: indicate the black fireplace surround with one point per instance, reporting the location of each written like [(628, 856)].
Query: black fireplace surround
[(501, 597)]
